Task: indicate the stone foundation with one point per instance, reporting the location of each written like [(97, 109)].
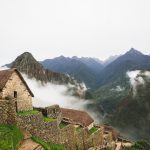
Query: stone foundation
[(7, 112), (38, 127)]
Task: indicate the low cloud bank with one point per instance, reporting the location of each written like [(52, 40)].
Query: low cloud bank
[(136, 79), (49, 94)]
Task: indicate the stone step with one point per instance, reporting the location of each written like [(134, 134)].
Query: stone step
[(30, 145), (39, 147)]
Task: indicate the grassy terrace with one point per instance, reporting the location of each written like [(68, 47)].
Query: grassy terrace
[(27, 113), (10, 137), (62, 125), (48, 146), (92, 130), (46, 119)]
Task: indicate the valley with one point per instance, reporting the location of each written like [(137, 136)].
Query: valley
[(106, 89)]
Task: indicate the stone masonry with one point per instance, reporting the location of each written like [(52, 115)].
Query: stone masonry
[(15, 89)]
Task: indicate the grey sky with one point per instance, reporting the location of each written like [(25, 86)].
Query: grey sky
[(95, 28)]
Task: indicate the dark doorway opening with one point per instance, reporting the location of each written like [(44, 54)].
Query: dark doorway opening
[(15, 94)]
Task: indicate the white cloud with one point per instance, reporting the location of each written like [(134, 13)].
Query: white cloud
[(136, 79), (118, 88), (49, 94)]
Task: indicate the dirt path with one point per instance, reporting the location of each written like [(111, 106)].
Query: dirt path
[(118, 147), (28, 144)]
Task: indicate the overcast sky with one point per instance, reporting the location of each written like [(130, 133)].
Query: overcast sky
[(95, 28)]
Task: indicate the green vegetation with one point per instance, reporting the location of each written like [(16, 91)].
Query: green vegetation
[(140, 145), (10, 137), (46, 119), (78, 128), (48, 146), (62, 125), (133, 113), (28, 113), (92, 130)]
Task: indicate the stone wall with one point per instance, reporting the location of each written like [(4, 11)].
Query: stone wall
[(38, 127), (51, 112), (80, 139), (96, 139), (24, 99), (7, 112), (85, 140), (67, 137), (81, 136)]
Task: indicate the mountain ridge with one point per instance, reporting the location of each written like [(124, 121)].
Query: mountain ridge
[(27, 64), (83, 69), (114, 75)]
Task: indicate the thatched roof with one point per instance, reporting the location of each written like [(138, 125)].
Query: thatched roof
[(77, 116), (6, 74)]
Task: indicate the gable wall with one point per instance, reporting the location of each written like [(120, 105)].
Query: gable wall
[(24, 99)]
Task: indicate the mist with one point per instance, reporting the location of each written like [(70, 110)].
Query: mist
[(50, 94), (136, 79), (118, 88)]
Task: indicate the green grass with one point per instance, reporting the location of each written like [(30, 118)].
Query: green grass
[(78, 128), (46, 119), (92, 130), (10, 137), (48, 146), (62, 125), (28, 113)]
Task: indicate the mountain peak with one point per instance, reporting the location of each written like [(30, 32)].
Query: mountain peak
[(27, 64), (27, 54), (133, 51)]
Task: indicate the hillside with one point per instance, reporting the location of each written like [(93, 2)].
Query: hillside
[(83, 69), (133, 112), (110, 59), (113, 81)]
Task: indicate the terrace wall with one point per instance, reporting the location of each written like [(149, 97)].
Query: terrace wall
[(68, 136), (95, 139), (7, 112), (38, 127)]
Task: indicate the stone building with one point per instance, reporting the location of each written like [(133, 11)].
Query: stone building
[(77, 118), (14, 88), (52, 111), (68, 116)]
